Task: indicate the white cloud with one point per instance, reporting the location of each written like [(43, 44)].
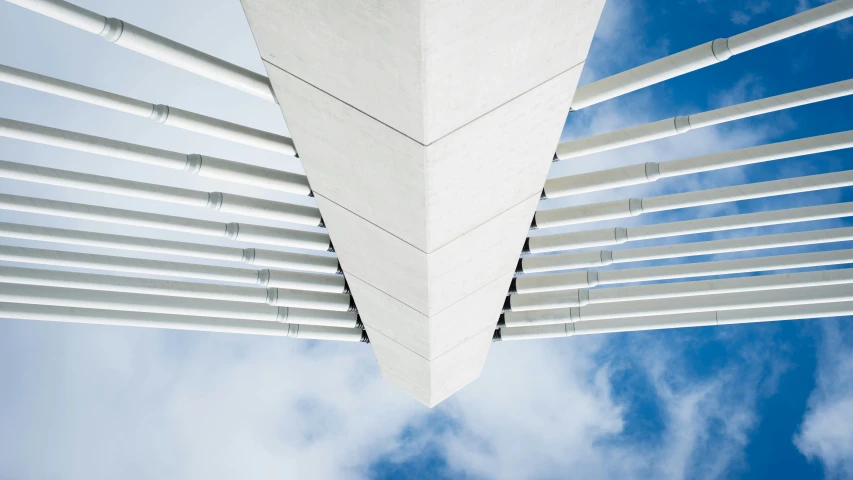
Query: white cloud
[(826, 432), (748, 87), (750, 9), (619, 41), (803, 5), (739, 17), (547, 403), (103, 402), (548, 409)]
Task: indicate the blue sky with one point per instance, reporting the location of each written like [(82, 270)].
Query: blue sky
[(748, 401)]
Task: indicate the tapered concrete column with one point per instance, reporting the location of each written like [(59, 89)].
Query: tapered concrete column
[(426, 129)]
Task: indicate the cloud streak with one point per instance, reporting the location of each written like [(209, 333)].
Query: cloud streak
[(107, 402), (825, 434)]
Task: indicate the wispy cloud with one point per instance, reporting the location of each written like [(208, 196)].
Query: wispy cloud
[(102, 402), (825, 433), (750, 9), (561, 408), (96, 401)]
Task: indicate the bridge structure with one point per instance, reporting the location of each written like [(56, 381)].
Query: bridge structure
[(426, 131)]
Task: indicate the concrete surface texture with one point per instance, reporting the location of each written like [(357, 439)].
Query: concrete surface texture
[(426, 129)]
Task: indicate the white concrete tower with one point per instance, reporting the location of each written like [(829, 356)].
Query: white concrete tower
[(426, 129)]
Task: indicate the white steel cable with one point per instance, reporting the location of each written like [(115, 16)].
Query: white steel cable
[(53, 86), (338, 302), (202, 166), (167, 305), (152, 45), (633, 207), (592, 278), (676, 125), (292, 261), (652, 171), (581, 297), (115, 283), (655, 322), (599, 258), (122, 242), (239, 232), (223, 202), (682, 305), (177, 322), (802, 22), (709, 53), (614, 236), (268, 278), (160, 113), (841, 276), (65, 12), (64, 178), (267, 258)]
